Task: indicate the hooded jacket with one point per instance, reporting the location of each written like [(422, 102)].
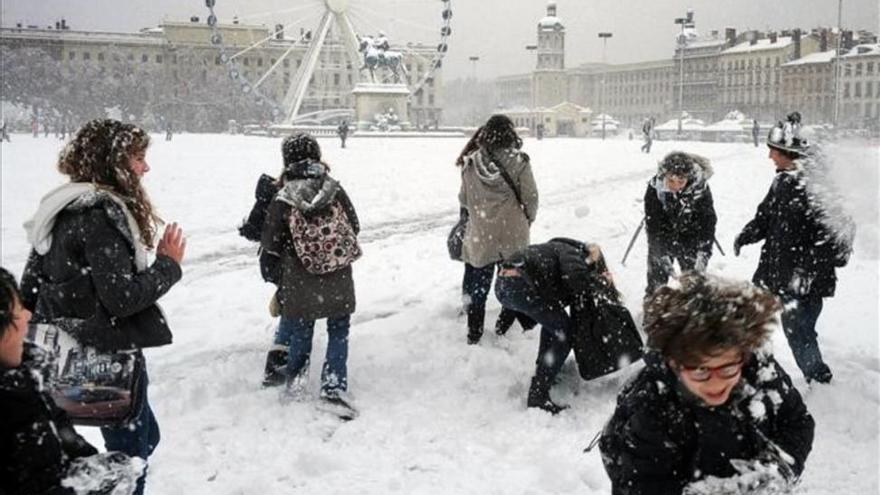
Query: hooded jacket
[(303, 294), (88, 264), (661, 437), (682, 222), (497, 225)]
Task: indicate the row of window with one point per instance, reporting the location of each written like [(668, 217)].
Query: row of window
[(857, 90)]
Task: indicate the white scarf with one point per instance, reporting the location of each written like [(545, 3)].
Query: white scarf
[(39, 227)]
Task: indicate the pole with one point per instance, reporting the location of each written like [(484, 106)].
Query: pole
[(604, 37), (837, 64), (680, 76), (632, 241)]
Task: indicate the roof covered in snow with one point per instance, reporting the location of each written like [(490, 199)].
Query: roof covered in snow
[(550, 22), (764, 44), (866, 49), (813, 58)]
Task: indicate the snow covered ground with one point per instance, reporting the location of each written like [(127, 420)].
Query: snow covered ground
[(438, 416)]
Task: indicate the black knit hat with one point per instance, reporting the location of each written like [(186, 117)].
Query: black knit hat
[(298, 147)]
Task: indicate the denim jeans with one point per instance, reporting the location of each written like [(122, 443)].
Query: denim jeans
[(799, 322), (475, 289), (517, 294), (137, 439), (334, 374)]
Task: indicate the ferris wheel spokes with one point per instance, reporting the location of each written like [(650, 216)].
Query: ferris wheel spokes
[(294, 97)]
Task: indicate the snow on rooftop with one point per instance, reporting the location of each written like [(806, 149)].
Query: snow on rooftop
[(550, 22), (863, 49), (764, 44), (813, 58)]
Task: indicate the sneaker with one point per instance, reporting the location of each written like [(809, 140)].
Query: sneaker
[(548, 406)]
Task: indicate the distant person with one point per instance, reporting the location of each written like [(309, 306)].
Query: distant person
[(756, 131), (342, 131), (679, 217), (800, 252), (169, 130), (539, 131), (712, 411), (499, 193), (4, 132), (648, 134)]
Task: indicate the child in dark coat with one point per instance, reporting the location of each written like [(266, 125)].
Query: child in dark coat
[(679, 217), (712, 411)]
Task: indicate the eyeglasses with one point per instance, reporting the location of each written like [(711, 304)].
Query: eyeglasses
[(703, 374)]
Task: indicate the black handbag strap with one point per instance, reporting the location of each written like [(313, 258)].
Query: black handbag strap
[(512, 185)]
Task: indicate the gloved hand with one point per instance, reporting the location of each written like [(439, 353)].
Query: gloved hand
[(274, 306), (800, 282), (737, 245)]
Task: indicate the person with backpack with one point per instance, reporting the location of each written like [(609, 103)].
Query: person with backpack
[(499, 193), (315, 275), (565, 286), (91, 237), (679, 217), (802, 246), (712, 411)]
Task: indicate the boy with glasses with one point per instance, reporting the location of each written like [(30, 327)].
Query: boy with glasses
[(712, 409)]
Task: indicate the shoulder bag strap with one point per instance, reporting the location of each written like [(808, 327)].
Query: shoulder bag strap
[(512, 185)]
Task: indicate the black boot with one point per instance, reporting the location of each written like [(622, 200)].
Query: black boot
[(276, 362), (526, 322), (539, 396), (475, 325), (505, 321)]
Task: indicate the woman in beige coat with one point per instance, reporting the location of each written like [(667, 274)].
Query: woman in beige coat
[(499, 192)]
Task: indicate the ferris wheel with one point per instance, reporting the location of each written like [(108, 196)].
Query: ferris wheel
[(324, 38)]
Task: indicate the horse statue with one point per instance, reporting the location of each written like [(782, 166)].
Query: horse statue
[(377, 55)]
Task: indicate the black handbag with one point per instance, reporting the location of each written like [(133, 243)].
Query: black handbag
[(94, 388), (455, 239), (605, 339)]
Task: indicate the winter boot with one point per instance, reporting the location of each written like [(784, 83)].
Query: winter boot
[(475, 325), (821, 375), (526, 322), (297, 385), (276, 362), (504, 322), (539, 396)]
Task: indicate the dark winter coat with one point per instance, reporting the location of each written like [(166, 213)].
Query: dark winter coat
[(681, 223), (799, 254), (267, 188), (557, 269), (302, 294), (661, 437), (604, 332), (37, 440), (89, 272)]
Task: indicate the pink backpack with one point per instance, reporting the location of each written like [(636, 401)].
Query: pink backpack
[(325, 241)]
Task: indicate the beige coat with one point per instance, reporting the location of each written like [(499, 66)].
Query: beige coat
[(496, 225)]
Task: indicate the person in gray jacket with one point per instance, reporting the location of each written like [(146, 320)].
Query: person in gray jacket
[(499, 192)]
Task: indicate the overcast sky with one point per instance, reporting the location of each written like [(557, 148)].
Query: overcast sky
[(495, 30)]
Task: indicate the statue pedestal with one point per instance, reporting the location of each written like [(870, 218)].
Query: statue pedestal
[(371, 99)]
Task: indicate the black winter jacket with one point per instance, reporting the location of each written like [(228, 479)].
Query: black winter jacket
[(89, 273), (267, 188), (681, 223), (37, 440), (660, 437), (799, 254), (557, 269)]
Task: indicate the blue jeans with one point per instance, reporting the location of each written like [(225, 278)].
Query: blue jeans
[(516, 293), (334, 374), (799, 322), (136, 439)]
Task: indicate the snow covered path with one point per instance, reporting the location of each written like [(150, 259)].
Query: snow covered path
[(438, 416)]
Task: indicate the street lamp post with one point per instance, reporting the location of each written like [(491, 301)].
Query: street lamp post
[(685, 22), (837, 64), (474, 59), (604, 37)]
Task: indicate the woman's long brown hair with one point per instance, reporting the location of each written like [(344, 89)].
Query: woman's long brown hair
[(100, 153)]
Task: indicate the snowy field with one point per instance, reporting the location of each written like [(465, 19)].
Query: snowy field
[(438, 416)]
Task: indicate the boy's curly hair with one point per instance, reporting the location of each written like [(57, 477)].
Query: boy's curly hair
[(708, 315)]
